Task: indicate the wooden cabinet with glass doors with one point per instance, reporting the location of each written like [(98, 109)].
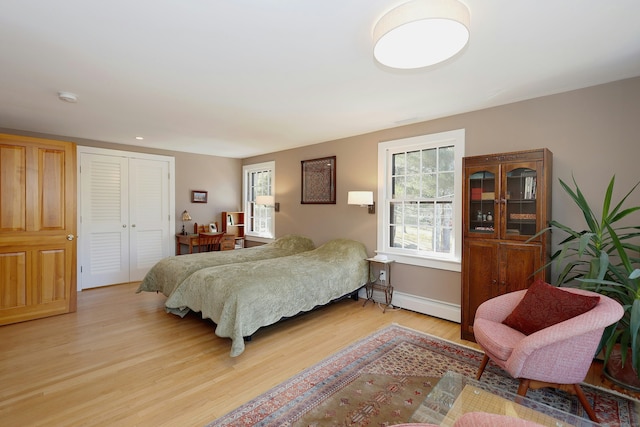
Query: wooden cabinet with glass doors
[(507, 200)]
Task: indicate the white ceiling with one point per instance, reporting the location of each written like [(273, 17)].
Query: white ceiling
[(245, 77)]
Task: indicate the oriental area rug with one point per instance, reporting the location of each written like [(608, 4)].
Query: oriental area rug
[(382, 379)]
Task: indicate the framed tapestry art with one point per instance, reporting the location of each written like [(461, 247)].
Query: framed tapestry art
[(319, 181)]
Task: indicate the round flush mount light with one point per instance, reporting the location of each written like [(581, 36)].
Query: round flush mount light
[(68, 97), (421, 33)]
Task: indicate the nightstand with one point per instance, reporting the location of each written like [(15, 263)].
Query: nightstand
[(382, 268)]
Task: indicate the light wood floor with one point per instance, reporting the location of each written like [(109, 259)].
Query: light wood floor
[(122, 361)]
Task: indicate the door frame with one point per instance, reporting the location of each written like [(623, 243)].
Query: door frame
[(170, 241)]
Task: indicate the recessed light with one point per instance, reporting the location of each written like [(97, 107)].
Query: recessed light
[(140, 138)]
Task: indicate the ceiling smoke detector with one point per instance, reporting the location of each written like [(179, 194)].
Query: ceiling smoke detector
[(68, 97)]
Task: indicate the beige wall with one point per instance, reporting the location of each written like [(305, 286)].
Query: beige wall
[(220, 176), (593, 134)]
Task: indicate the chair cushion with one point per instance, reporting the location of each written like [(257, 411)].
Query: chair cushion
[(544, 305), (497, 339)]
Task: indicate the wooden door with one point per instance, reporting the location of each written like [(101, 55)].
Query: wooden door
[(518, 262), (37, 228), (480, 281)]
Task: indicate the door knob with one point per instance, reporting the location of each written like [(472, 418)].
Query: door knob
[(70, 237)]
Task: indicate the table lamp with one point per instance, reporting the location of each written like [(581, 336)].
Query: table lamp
[(185, 217)]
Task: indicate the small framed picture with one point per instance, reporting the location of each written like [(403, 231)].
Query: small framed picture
[(198, 196), (213, 228)]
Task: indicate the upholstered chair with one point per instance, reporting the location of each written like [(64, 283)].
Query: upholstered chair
[(556, 356)]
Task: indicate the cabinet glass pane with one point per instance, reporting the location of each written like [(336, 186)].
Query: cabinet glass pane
[(521, 195), (482, 186)]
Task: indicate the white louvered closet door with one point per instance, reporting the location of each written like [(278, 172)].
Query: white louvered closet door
[(104, 220), (125, 218), (148, 214)]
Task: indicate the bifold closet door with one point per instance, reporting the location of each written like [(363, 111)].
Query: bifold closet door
[(148, 215), (125, 219), (104, 220)]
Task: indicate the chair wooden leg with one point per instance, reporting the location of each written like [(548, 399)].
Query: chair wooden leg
[(483, 365), (523, 386), (570, 388), (585, 403)]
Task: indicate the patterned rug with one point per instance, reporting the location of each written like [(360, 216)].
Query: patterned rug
[(382, 379)]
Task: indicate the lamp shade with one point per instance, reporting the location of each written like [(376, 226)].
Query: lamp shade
[(420, 33), (265, 200), (186, 216), (362, 198)]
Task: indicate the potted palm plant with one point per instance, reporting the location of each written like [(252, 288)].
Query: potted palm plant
[(604, 258)]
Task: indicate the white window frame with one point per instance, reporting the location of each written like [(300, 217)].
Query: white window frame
[(248, 204), (405, 256)]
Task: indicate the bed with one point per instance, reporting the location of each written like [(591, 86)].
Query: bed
[(169, 272), (241, 298)]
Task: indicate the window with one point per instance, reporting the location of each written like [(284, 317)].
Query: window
[(420, 182), (258, 181)]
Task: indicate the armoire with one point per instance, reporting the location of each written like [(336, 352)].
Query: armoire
[(507, 202)]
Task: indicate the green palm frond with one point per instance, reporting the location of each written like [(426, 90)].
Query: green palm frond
[(604, 258)]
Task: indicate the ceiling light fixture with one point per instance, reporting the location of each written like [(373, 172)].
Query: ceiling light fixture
[(68, 97), (421, 33)]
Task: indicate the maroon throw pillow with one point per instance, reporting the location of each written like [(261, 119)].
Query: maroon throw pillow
[(544, 305)]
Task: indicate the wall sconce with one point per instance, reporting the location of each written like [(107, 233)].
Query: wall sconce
[(185, 217), (268, 201), (362, 198)]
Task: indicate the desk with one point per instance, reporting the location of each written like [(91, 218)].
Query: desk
[(190, 240)]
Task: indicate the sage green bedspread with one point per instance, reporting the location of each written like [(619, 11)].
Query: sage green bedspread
[(241, 298), (168, 273)]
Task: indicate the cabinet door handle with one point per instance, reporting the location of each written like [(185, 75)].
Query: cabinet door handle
[(124, 225)]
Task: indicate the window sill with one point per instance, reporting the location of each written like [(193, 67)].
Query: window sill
[(255, 238), (437, 263)]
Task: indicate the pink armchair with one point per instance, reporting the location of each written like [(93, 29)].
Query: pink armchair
[(558, 356)]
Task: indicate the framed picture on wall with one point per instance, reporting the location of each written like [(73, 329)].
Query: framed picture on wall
[(199, 196), (319, 181)]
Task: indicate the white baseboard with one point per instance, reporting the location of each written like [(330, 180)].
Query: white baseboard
[(441, 309)]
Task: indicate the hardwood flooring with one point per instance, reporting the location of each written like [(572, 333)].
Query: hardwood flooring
[(120, 360)]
